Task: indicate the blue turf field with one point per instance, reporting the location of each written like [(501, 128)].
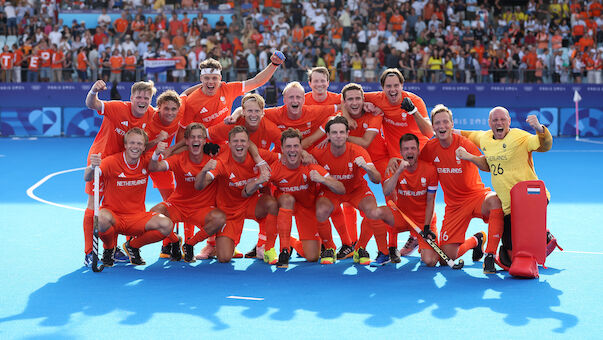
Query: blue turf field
[(48, 294)]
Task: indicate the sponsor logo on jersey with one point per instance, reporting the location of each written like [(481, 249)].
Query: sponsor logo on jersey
[(327, 167), (124, 123), (122, 175), (283, 181), (203, 110), (436, 160), (231, 176), (188, 174), (403, 181)]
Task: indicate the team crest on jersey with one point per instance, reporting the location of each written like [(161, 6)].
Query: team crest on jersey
[(222, 99), (423, 181), (144, 171), (144, 125), (365, 125), (458, 161), (309, 124), (305, 177), (504, 146), (264, 143), (436, 160), (350, 165)]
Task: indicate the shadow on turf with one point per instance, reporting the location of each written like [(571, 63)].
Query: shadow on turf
[(385, 294)]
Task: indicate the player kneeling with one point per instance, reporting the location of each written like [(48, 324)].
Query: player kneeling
[(125, 176), (415, 183), (297, 190), (187, 204)]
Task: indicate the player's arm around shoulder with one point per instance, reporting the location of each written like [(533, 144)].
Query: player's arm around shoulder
[(473, 136)]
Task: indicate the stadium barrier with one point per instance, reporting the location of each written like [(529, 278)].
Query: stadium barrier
[(58, 109)]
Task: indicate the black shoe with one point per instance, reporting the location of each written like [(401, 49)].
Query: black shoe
[(283, 259), (252, 253), (133, 254), (166, 251), (503, 256), (478, 250), (489, 264), (189, 253), (345, 252), (394, 255), (175, 254), (107, 259)]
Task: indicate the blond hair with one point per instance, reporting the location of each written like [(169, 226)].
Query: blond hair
[(253, 97), (144, 86), (438, 109)]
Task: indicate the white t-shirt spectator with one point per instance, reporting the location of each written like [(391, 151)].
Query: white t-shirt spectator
[(55, 37), (104, 19)]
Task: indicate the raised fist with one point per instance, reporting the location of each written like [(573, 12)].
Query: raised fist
[(211, 149), (408, 106), (277, 58), (161, 146), (98, 86)]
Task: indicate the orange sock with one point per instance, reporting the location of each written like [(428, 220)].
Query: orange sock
[(270, 221), (469, 243), (262, 233), (88, 230), (392, 237), (351, 221), (339, 223), (283, 226), (326, 236), (108, 238), (495, 230), (380, 231), (189, 230), (166, 241), (297, 245), (199, 236), (366, 232), (148, 237)]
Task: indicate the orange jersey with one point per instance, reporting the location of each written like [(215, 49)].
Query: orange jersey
[(6, 60), (116, 62), (412, 188), (121, 25), (45, 57), (459, 179), (343, 168), (332, 99), (369, 122), (312, 118), (155, 126), (125, 186), (266, 134), (296, 182), (118, 120), (34, 62), (82, 61), (130, 62), (396, 122), (185, 196), (232, 177), (211, 110), (56, 57)]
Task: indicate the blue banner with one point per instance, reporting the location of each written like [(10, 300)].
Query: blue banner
[(590, 122)]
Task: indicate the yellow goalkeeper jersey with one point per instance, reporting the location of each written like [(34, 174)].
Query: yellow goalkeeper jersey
[(510, 158)]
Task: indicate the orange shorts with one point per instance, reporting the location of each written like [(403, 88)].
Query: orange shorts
[(457, 218), (163, 179), (131, 224), (179, 214), (306, 223), (353, 198), (235, 222), (401, 225)]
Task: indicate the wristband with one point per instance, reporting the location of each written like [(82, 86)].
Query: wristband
[(275, 64), (260, 163), (155, 156), (92, 92)]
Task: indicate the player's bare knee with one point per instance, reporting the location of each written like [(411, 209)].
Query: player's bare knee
[(164, 225), (223, 258), (493, 202), (272, 205), (312, 258)]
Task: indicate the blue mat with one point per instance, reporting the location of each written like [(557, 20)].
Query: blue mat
[(47, 293)]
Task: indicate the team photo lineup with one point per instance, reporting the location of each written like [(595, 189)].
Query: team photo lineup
[(305, 159)]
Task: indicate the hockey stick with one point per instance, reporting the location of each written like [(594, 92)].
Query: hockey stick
[(95, 267), (432, 244)]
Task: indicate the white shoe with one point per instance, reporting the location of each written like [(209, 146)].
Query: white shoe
[(207, 252)]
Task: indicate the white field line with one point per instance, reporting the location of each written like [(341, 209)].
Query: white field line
[(30, 191)]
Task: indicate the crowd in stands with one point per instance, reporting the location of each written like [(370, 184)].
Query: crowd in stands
[(543, 41)]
